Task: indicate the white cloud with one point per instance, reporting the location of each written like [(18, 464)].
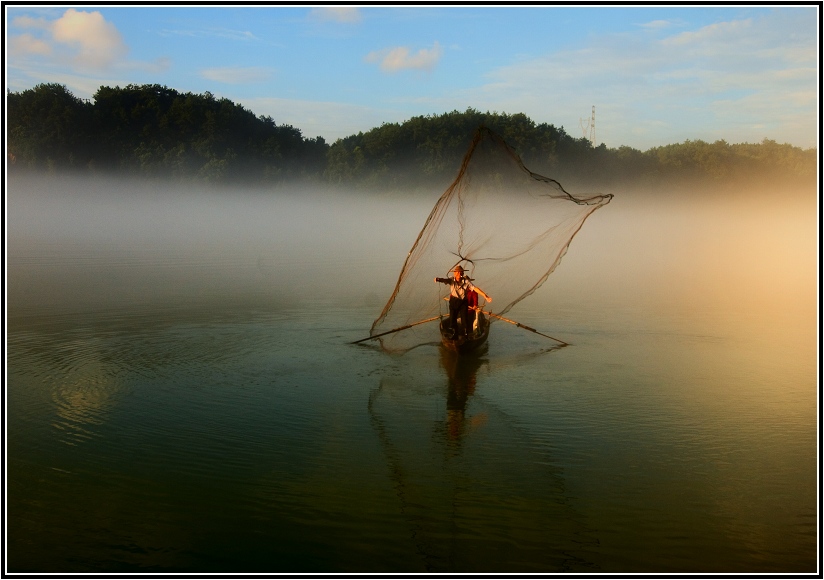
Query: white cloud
[(237, 75), (713, 35), (729, 78), (29, 22), (97, 43), (657, 24), (26, 44), (82, 40), (345, 14), (399, 58), (75, 48)]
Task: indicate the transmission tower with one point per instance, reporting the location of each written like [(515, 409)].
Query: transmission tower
[(592, 128), (589, 128)]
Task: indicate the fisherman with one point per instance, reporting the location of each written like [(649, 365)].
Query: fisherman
[(460, 286)]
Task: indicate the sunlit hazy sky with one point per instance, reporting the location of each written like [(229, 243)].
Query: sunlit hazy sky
[(656, 75)]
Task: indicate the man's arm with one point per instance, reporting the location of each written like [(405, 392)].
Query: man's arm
[(482, 293)]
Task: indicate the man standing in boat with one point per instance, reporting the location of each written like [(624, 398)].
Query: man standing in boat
[(460, 287)]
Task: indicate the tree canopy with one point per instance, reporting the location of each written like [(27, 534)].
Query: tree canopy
[(155, 131)]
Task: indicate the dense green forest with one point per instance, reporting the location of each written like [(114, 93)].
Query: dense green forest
[(155, 131)]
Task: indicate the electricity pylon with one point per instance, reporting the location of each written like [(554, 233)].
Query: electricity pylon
[(589, 128)]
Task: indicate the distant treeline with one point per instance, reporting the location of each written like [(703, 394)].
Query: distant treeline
[(155, 131)]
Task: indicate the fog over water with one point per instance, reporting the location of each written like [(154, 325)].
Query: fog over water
[(669, 261), (182, 394), (74, 244)]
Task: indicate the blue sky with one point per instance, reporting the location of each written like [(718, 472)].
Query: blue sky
[(656, 75)]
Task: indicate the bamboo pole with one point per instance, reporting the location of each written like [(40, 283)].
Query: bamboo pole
[(525, 327), (396, 329)]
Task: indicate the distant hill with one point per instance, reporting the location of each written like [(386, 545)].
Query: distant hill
[(155, 131)]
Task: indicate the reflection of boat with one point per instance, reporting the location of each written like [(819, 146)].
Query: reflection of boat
[(461, 372), (474, 488), (460, 343)]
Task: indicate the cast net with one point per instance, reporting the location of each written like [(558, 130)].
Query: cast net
[(507, 226)]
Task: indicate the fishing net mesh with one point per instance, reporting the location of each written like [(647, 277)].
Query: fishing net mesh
[(507, 226)]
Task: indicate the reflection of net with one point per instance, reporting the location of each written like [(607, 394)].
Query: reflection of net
[(508, 226)]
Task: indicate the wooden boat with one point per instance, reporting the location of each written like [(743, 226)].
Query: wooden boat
[(463, 344)]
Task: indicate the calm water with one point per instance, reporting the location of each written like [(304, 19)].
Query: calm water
[(182, 395)]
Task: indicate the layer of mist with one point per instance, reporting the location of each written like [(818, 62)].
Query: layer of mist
[(85, 245), (80, 244)]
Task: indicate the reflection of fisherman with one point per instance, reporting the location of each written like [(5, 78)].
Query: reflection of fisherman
[(461, 374), (461, 286)]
